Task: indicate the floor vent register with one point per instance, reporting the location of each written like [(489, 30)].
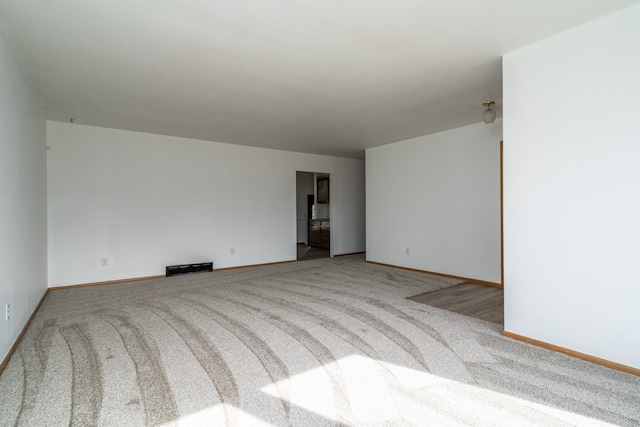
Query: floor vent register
[(175, 270)]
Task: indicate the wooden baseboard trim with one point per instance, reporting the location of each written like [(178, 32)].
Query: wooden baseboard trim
[(573, 353), (254, 265), (24, 329), (350, 253), (137, 279), (108, 282), (466, 279)]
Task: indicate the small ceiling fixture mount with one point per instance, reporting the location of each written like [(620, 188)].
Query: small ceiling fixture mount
[(489, 115)]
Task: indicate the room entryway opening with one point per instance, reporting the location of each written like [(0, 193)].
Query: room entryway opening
[(313, 215), (473, 299)]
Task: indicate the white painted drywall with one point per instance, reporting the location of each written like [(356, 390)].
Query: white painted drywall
[(439, 196), (145, 201), (572, 189), (23, 209), (304, 187)]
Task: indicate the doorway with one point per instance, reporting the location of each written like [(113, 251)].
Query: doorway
[(473, 298), (312, 216)]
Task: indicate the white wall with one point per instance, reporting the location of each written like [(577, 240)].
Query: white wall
[(572, 189), (304, 187), (146, 201), (23, 209), (439, 196)]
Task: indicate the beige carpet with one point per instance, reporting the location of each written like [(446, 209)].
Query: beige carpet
[(321, 342)]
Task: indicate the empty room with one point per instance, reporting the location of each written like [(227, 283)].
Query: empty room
[(319, 213)]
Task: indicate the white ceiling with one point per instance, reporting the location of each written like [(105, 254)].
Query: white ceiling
[(318, 76)]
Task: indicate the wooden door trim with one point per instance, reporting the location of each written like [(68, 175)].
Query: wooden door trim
[(501, 219)]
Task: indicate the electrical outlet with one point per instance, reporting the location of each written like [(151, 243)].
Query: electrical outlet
[(407, 251), (104, 262), (232, 251), (7, 312)]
